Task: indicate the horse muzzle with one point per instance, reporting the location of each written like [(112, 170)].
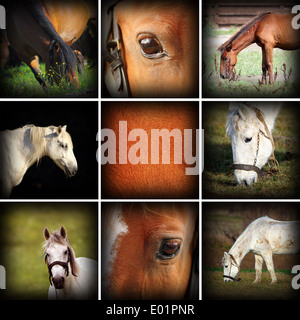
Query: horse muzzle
[(229, 278), (58, 282), (70, 172)]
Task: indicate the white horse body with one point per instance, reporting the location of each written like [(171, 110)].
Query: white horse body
[(70, 278), (251, 144), (21, 148), (264, 237), (81, 287)]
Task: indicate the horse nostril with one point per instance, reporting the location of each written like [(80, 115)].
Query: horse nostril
[(59, 282)]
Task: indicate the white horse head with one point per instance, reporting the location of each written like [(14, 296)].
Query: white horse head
[(60, 149), (231, 268), (59, 255), (249, 127)]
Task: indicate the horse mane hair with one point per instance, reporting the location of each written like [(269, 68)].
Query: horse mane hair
[(56, 237), (244, 28), (36, 11)]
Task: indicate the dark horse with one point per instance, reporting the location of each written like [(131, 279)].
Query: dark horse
[(267, 30), (47, 28)]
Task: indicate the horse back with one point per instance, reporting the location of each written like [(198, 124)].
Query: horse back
[(276, 29), (279, 237)]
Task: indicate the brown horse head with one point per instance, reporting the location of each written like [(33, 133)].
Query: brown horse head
[(62, 63), (228, 61)]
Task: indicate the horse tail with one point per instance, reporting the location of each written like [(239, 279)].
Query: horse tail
[(35, 9)]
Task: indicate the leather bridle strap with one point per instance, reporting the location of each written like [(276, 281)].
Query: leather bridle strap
[(113, 54), (249, 167), (231, 278), (60, 263)]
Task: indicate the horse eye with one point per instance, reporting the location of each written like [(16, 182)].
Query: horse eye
[(66, 252), (225, 59), (169, 249), (151, 48), (247, 140)]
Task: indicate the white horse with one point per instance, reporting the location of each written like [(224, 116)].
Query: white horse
[(249, 126), (264, 237), (81, 283), (21, 148)]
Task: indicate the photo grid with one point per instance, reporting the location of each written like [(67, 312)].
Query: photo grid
[(149, 157)]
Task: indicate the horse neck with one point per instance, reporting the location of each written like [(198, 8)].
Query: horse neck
[(241, 247), (244, 40)]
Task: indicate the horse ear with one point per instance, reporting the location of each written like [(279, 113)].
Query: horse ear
[(244, 112), (46, 233), (64, 128), (63, 232)]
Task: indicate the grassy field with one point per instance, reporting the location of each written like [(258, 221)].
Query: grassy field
[(20, 82), (248, 72), (218, 179), (222, 223), (22, 237)]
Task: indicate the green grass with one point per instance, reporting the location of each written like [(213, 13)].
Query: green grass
[(22, 236), (215, 288), (20, 82), (249, 67), (218, 178)]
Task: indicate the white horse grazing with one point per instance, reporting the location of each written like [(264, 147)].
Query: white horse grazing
[(249, 126), (79, 284), (264, 237), (21, 148)]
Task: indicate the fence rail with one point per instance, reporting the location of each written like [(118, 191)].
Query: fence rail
[(235, 13)]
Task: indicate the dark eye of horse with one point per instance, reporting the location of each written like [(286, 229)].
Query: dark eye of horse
[(151, 48), (168, 249), (247, 140), (225, 59), (66, 252)]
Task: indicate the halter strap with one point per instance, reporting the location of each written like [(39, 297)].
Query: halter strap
[(60, 263), (236, 265), (113, 55)]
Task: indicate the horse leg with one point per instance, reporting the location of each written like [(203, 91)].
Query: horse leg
[(269, 62), (35, 68), (270, 265), (258, 267), (264, 67)]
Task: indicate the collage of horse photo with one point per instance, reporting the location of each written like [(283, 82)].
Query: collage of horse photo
[(149, 153)]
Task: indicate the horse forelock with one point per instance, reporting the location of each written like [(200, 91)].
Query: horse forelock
[(56, 237)]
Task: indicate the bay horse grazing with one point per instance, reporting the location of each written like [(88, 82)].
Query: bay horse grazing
[(267, 30), (151, 48), (249, 126), (264, 237), (150, 251), (47, 28), (70, 278), (22, 147)]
